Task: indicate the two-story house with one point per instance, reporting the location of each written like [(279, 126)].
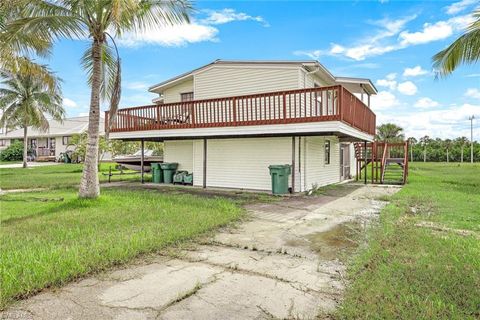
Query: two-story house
[(228, 121)]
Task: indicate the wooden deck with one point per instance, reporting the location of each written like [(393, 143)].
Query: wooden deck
[(334, 103)]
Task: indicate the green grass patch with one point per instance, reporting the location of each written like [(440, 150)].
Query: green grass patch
[(50, 238), (55, 176), (412, 272)]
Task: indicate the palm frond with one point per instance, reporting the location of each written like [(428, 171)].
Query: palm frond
[(464, 50)]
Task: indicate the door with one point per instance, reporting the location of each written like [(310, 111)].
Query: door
[(344, 161)]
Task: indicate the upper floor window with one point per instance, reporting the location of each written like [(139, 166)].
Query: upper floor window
[(66, 140), (327, 151), (186, 96)]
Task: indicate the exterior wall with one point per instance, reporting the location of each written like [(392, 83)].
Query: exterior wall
[(59, 147), (173, 94), (198, 162), (318, 173), (309, 80), (180, 151), (224, 81), (243, 163)]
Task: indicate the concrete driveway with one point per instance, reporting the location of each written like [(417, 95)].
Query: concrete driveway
[(285, 262)]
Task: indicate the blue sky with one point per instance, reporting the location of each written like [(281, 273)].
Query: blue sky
[(390, 42)]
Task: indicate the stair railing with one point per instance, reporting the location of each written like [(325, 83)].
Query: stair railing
[(405, 163), (383, 164)]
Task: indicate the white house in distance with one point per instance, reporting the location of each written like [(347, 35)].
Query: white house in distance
[(229, 120), (50, 144)]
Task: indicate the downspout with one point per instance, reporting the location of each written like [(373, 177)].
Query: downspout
[(293, 164), (300, 162)]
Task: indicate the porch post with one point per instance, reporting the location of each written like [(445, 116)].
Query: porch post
[(365, 158), (204, 163), (293, 164), (142, 158)]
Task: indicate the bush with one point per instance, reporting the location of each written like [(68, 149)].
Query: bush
[(13, 152)]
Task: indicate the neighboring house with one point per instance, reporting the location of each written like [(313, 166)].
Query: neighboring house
[(50, 144), (229, 120)]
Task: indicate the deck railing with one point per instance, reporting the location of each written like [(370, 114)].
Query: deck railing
[(302, 105)]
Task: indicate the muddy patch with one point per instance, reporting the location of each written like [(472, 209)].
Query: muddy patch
[(339, 241)]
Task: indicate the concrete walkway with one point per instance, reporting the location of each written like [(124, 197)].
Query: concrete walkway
[(284, 262), (29, 165)]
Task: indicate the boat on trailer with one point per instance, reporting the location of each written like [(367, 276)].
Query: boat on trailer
[(133, 162)]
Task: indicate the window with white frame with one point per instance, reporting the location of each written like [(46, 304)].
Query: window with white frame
[(327, 152)]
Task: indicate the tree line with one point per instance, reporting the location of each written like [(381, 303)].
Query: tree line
[(430, 149)]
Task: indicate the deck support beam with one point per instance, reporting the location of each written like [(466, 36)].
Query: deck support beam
[(142, 158), (204, 163), (365, 160)]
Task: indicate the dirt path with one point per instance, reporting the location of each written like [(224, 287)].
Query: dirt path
[(283, 263)]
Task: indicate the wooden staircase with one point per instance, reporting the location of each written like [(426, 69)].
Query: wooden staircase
[(387, 162)]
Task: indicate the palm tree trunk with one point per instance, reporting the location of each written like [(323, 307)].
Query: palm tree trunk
[(25, 146), (447, 157), (425, 155), (89, 185), (461, 154)]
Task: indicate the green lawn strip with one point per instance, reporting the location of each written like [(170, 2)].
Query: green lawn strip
[(412, 272), (56, 176), (48, 243)]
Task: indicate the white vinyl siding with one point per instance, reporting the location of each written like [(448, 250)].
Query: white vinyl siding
[(243, 163), (221, 81), (172, 94), (180, 151), (317, 172), (198, 162)]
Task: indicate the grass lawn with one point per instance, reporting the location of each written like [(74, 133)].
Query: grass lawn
[(47, 243), (409, 271), (57, 176)]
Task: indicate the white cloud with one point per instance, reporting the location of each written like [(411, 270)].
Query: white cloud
[(425, 103), (169, 36), (82, 114), (313, 54), (229, 15), (68, 103), (442, 123), (388, 82), (137, 85), (415, 71), (407, 88), (457, 7), (384, 100), (473, 93), (430, 32)]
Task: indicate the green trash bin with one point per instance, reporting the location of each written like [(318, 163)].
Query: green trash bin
[(188, 178), (169, 169), (279, 175), (157, 173), (178, 177)]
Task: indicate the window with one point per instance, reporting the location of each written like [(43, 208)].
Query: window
[(66, 140), (2, 142), (187, 96), (327, 151), (33, 143)]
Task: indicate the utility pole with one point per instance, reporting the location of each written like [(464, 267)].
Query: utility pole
[(471, 137)]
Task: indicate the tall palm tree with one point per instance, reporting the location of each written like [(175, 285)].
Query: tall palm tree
[(412, 142), (462, 142), (389, 132), (464, 50), (26, 101), (424, 141), (448, 144), (99, 21)]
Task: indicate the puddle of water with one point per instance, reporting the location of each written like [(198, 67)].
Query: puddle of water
[(338, 241)]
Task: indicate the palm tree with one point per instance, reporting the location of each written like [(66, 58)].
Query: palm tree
[(462, 142), (411, 141), (26, 101), (448, 144), (464, 50), (424, 141), (389, 132), (99, 21), (14, 52)]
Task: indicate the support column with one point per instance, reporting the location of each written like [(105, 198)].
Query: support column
[(142, 158), (365, 150), (204, 163), (293, 164)]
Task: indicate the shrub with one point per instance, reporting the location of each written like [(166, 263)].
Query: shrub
[(13, 152)]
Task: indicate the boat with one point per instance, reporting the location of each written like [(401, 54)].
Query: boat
[(133, 162)]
